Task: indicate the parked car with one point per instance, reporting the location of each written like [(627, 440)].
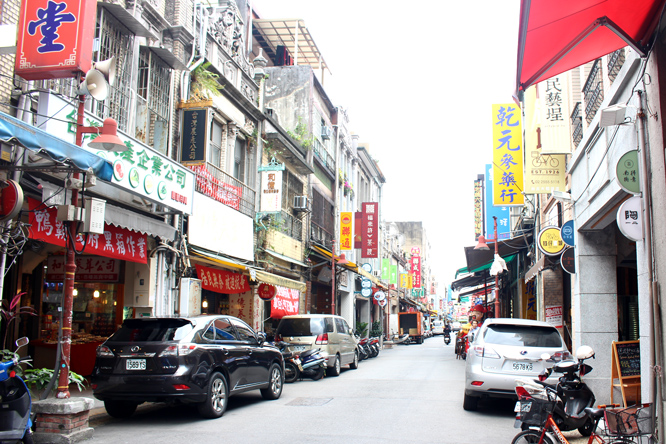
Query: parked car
[(329, 333), (455, 326), (505, 349), (200, 360), (438, 327)]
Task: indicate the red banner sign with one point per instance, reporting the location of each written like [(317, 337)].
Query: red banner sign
[(55, 38), (285, 302), (222, 281), (88, 269), (118, 243), (370, 229), (415, 263)]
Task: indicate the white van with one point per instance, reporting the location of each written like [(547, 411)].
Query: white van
[(438, 327)]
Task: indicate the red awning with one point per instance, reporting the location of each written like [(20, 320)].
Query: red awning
[(555, 37)]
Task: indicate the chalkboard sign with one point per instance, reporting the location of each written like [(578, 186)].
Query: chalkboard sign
[(629, 358)]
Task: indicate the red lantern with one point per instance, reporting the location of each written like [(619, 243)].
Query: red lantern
[(266, 291)]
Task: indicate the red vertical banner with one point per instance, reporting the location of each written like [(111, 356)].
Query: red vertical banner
[(345, 231), (415, 262), (370, 229), (55, 38), (358, 230)]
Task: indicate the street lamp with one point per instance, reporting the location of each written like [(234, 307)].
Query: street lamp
[(341, 260), (497, 262)]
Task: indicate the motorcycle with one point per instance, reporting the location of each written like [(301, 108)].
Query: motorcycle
[(374, 347), (571, 394), (15, 401), (313, 364), (363, 349), (292, 362), (404, 339), (447, 337)]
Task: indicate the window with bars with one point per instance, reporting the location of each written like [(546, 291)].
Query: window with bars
[(116, 41), (322, 212), (153, 91), (214, 155), (291, 187), (239, 159)]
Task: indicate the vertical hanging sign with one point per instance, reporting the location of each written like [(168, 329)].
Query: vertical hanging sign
[(507, 156), (415, 263), (346, 231), (370, 229), (55, 38), (478, 208), (271, 187)]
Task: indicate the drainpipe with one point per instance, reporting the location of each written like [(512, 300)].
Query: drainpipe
[(656, 360)]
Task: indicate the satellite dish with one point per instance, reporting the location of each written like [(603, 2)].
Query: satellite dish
[(95, 85)]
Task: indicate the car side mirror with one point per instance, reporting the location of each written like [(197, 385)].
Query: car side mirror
[(261, 337)]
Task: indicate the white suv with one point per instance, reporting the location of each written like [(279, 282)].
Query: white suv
[(329, 333)]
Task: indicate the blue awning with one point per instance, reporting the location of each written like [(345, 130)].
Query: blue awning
[(39, 141)]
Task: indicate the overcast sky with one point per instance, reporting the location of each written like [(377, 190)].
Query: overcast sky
[(418, 80)]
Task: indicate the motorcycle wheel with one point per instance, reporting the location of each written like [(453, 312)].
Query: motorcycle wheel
[(317, 374), (374, 351), (27, 438), (587, 428), (291, 372)]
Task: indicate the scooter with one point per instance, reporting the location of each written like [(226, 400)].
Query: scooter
[(292, 362), (313, 364), (404, 339), (363, 348), (374, 347), (15, 401), (573, 396), (447, 338)]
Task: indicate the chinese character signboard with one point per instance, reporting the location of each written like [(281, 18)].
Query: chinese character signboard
[(415, 263), (194, 136), (370, 229), (554, 315), (529, 300), (478, 208), (507, 156), (627, 172), (543, 172), (346, 223), (502, 213), (116, 242), (550, 241), (88, 269), (630, 219), (404, 281), (554, 113), (139, 170), (271, 192), (55, 38), (285, 302), (222, 281)]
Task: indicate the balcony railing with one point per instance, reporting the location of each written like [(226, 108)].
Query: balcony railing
[(615, 62), (218, 185), (593, 91), (577, 124), (291, 226), (324, 157), (320, 235)]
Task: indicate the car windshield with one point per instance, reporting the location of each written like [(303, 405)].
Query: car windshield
[(154, 330), (301, 327), (523, 336)]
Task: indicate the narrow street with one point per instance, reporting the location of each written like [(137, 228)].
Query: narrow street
[(408, 394)]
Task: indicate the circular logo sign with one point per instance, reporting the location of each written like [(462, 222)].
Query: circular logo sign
[(266, 291), (367, 267), (346, 219), (568, 261), (567, 232), (380, 296), (382, 303), (627, 172), (550, 241), (630, 219), (366, 292)]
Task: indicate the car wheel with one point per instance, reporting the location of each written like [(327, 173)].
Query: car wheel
[(291, 372), (274, 389), (120, 409), (217, 396), (470, 403), (335, 370), (354, 363)]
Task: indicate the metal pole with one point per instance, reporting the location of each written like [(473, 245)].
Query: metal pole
[(497, 303), (70, 274), (333, 276)]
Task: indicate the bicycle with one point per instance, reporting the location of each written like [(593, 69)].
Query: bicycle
[(621, 426)]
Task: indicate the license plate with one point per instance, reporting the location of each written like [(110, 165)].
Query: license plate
[(135, 364), (522, 367), (298, 348), (516, 408)]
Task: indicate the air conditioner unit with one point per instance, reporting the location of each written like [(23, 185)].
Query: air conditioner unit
[(300, 203), (325, 132)]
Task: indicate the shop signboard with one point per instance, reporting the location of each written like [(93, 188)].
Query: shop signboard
[(394, 274), (116, 242), (567, 232), (386, 266), (271, 191), (500, 212), (285, 302), (139, 169), (88, 269), (54, 38), (554, 315), (627, 172), (346, 231), (553, 113), (568, 261), (415, 262), (630, 219), (222, 281), (195, 136), (507, 155), (550, 241), (370, 229)]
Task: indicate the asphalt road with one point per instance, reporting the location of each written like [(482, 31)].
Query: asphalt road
[(408, 394)]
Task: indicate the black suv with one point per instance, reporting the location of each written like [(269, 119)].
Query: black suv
[(200, 360)]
